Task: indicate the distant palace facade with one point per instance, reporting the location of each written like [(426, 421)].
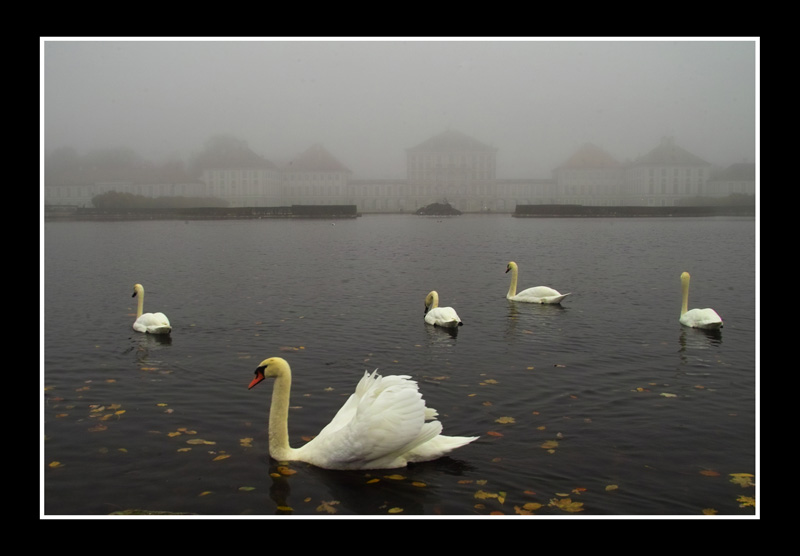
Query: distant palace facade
[(450, 167)]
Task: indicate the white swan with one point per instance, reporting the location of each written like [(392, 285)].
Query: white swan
[(537, 294), (696, 318), (149, 323), (446, 317), (383, 425)]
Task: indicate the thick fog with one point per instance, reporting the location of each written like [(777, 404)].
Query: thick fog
[(367, 101)]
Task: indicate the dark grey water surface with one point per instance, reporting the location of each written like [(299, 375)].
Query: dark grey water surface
[(606, 401)]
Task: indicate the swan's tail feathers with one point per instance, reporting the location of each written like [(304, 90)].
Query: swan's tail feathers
[(438, 447)]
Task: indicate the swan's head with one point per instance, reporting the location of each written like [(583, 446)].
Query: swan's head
[(511, 266), (272, 367), (685, 278), (431, 300), (138, 289)]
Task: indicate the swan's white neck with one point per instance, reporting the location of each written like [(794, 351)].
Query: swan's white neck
[(433, 300), (512, 288), (139, 302), (684, 293), (279, 416)]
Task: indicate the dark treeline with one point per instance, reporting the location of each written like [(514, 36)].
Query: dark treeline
[(116, 200), (65, 166)]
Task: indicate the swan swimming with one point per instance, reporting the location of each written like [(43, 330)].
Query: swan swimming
[(536, 294), (696, 318), (446, 317), (149, 323), (383, 425)]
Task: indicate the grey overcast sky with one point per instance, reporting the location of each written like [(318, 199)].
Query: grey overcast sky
[(368, 100)]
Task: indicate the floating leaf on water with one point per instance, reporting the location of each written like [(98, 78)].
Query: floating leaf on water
[(418, 484), (54, 464), (611, 487), (710, 473), (247, 488), (668, 395), (395, 510), (371, 481), (205, 493), (743, 479), (527, 509), (745, 501), (283, 470), (549, 444), (709, 511), (176, 433), (221, 456), (504, 420), (199, 441), (567, 505), (494, 433), (394, 477), (328, 507)]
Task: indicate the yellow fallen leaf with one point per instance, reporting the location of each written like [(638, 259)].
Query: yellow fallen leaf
[(328, 507), (394, 477), (205, 493), (745, 501), (527, 509), (549, 444), (504, 420), (612, 487), (743, 479), (567, 505), (221, 456), (709, 511), (54, 464), (395, 510), (283, 470)]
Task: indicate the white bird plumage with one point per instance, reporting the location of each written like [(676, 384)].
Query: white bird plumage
[(149, 323), (385, 424), (536, 294), (696, 318), (446, 317)]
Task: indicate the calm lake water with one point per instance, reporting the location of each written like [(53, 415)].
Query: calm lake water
[(604, 406)]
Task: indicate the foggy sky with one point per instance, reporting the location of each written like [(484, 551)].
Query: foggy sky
[(367, 101)]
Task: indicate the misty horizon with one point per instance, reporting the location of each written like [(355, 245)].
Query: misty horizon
[(366, 102)]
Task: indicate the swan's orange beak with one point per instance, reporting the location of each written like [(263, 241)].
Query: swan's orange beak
[(259, 377)]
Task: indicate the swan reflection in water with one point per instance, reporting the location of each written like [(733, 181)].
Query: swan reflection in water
[(417, 490)]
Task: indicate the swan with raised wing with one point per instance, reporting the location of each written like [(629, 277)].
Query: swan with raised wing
[(384, 424), (536, 294)]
